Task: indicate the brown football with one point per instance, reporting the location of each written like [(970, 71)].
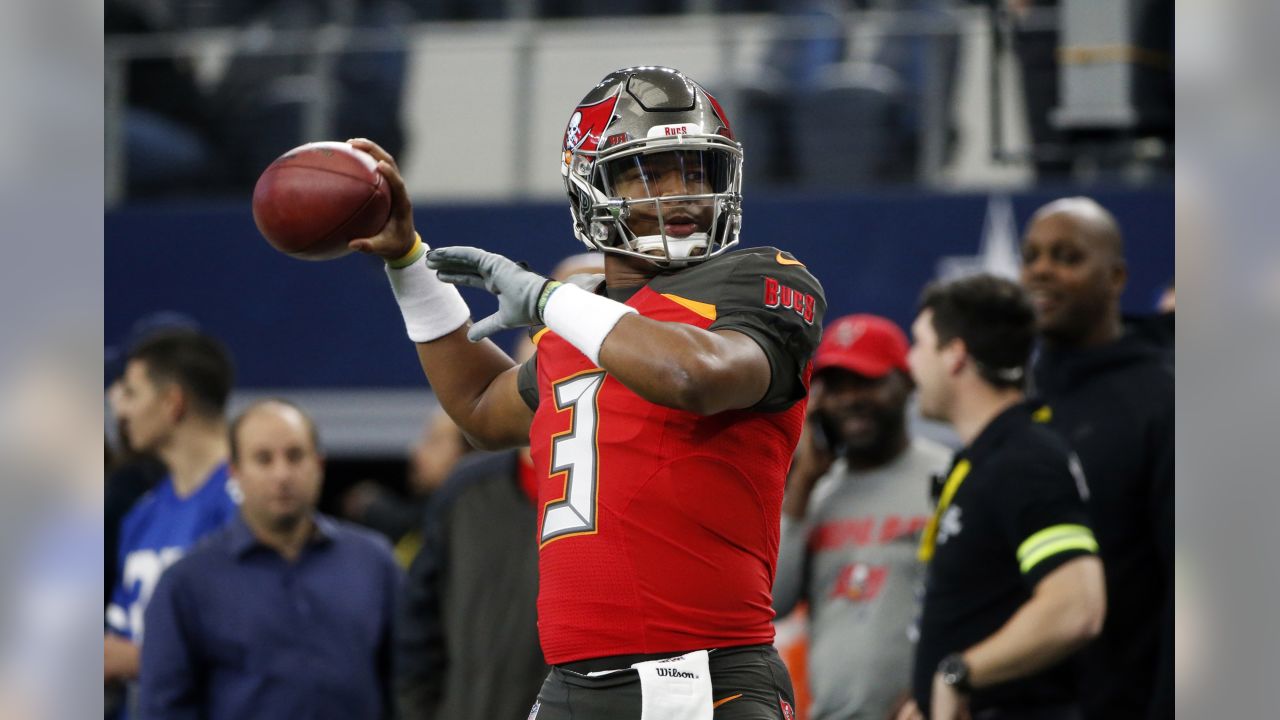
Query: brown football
[(317, 197)]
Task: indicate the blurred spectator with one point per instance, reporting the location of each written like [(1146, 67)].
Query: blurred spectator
[(130, 473), (893, 108), (284, 613), (809, 40), (1014, 586), (856, 501), (301, 70), (812, 38), (921, 46), (167, 131), (431, 459), (282, 87), (1110, 394), (467, 645), (171, 402)]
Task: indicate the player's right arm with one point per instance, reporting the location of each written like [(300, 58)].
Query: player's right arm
[(474, 382)]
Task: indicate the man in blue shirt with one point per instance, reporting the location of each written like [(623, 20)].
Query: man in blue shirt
[(170, 402), (284, 613)]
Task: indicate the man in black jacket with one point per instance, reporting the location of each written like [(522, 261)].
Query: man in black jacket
[(467, 644), (1109, 392)]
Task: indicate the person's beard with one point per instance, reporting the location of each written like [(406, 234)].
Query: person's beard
[(883, 443), (287, 522)]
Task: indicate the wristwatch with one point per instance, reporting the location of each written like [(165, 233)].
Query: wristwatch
[(955, 672)]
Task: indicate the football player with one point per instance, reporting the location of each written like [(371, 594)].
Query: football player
[(662, 405)]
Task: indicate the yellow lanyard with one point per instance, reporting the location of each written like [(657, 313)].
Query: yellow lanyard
[(928, 541)]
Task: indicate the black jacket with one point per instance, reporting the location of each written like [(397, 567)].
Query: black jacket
[(1114, 405), (467, 634)]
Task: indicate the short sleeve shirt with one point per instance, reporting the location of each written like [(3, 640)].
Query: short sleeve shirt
[(749, 291), (1017, 514), (658, 527)]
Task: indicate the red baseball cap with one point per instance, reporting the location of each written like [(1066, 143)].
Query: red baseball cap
[(865, 344)]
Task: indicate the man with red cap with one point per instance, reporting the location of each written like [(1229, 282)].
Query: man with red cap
[(857, 498)]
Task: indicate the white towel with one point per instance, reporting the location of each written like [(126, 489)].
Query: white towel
[(677, 688)]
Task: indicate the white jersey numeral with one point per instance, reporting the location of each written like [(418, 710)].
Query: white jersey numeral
[(574, 453), (143, 568)]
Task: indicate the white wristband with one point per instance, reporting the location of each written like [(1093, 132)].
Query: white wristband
[(583, 318), (431, 308)]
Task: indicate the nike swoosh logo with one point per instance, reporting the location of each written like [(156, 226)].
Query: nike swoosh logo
[(722, 701), (783, 260)]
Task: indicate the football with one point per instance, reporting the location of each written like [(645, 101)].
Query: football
[(313, 200)]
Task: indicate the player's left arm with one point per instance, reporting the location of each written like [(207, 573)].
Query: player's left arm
[(728, 366), (768, 319), (685, 367)]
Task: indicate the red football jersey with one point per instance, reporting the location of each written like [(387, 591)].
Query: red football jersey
[(658, 528)]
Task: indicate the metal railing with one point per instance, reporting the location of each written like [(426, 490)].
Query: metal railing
[(541, 69)]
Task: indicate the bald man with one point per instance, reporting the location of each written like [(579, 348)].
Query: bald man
[(284, 613), (1109, 392)]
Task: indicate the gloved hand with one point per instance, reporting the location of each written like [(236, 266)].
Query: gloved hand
[(518, 290)]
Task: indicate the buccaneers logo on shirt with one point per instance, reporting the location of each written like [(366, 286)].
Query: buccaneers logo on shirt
[(860, 582)]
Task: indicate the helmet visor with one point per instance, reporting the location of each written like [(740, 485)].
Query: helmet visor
[(667, 173)]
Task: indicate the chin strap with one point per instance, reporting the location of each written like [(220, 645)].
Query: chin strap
[(677, 248)]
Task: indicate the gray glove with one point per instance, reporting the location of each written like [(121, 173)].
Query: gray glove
[(518, 290)]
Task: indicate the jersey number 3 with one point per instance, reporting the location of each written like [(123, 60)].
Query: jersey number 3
[(574, 454)]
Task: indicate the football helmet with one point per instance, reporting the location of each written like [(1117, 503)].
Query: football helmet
[(652, 170)]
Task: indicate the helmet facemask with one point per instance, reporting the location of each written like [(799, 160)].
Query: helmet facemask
[(671, 201), (652, 170)]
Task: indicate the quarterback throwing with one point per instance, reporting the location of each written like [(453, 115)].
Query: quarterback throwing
[(662, 405)]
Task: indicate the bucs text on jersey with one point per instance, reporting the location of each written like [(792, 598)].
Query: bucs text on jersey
[(658, 528)]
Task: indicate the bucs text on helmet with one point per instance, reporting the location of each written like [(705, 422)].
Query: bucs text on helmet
[(652, 170)]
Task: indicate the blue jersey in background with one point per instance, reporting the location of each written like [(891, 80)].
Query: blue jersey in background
[(157, 531)]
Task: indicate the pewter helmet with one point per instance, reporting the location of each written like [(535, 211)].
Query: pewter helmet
[(649, 149)]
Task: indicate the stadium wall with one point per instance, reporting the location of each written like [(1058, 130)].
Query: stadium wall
[(330, 331)]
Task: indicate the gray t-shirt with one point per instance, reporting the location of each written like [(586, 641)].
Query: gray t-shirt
[(854, 560)]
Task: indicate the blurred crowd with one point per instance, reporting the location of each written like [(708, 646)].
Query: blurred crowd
[(303, 69)]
